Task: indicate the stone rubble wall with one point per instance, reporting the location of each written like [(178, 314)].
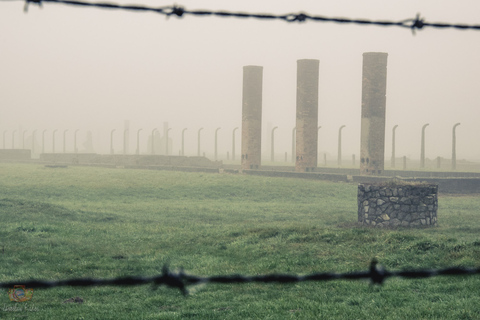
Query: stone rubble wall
[(123, 160), (397, 205)]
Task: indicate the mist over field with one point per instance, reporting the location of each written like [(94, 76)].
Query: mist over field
[(88, 69), (82, 222)]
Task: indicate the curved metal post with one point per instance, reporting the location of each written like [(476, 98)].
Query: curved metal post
[(166, 141), (454, 147), (183, 141), (43, 140), (233, 143), (23, 139), (138, 141), (216, 131), (422, 151), (153, 138), (293, 143), (198, 138), (53, 142), (392, 164), (318, 149), (75, 141), (64, 139), (13, 139), (339, 159), (111, 141), (272, 154), (33, 141), (125, 131)]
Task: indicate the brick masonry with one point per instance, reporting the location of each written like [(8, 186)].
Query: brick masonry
[(390, 205), (307, 115), (252, 117), (374, 88)]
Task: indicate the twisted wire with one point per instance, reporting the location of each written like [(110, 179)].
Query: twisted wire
[(414, 24), (181, 281)]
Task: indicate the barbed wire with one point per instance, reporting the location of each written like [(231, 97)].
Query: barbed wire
[(414, 24), (180, 280)]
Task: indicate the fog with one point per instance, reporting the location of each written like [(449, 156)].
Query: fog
[(69, 68)]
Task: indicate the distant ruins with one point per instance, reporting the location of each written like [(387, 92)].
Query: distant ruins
[(307, 115), (252, 117), (372, 146), (374, 89), (304, 135)]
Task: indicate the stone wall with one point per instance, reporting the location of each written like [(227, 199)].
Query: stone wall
[(71, 158), (123, 160), (393, 205)]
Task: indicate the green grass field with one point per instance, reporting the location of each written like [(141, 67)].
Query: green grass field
[(62, 223)]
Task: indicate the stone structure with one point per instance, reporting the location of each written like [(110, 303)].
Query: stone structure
[(374, 88), (393, 205), (252, 117), (128, 160), (307, 115)]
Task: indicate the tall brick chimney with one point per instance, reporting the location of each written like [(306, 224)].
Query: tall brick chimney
[(374, 89), (252, 117), (307, 115)]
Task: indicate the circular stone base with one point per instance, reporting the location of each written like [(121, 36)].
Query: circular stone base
[(393, 205)]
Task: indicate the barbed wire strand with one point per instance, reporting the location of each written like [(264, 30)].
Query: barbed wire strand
[(180, 280), (414, 24)]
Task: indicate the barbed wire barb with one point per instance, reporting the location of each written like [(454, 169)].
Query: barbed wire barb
[(180, 280)]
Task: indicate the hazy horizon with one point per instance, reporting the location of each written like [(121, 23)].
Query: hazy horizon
[(66, 67)]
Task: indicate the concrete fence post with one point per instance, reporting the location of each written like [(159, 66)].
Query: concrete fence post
[(53, 138), (111, 141), (198, 141), (339, 157), (393, 146), (454, 147), (216, 142), (75, 140), (422, 150), (233, 143), (166, 141), (138, 141), (272, 153)]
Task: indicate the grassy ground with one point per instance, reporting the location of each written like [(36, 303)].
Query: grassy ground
[(60, 223)]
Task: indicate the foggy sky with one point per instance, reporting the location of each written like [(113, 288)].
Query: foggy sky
[(65, 67)]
